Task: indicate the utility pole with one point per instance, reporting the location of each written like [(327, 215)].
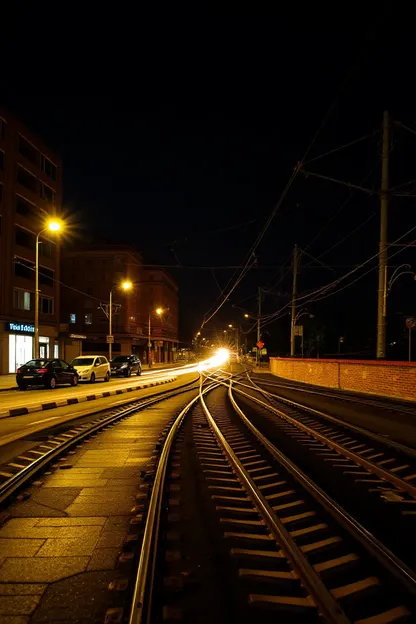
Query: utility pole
[(294, 293), (258, 326), (110, 327), (382, 258)]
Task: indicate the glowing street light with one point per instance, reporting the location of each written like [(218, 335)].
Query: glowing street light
[(53, 225), (246, 316)]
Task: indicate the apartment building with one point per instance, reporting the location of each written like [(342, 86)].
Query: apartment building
[(94, 271), (30, 193), (160, 291)]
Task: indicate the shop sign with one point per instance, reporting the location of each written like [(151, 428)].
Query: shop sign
[(78, 336), (21, 328)]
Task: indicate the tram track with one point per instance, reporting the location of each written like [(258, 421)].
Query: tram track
[(293, 549)]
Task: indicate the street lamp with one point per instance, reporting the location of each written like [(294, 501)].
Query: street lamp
[(52, 226), (301, 313), (159, 312), (126, 286), (394, 277)]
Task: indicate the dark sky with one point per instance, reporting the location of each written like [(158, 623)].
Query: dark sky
[(179, 137)]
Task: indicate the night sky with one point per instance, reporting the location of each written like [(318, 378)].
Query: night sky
[(183, 143)]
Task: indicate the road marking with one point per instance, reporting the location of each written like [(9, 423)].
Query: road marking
[(37, 422)]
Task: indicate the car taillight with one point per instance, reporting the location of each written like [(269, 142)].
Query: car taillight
[(42, 370), (18, 370)]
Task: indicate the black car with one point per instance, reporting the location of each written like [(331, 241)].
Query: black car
[(126, 365), (47, 373)]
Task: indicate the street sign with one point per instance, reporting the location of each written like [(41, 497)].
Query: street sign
[(298, 330), (411, 322), (260, 344), (110, 339), (263, 352)]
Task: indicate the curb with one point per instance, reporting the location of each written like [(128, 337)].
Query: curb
[(8, 389), (39, 407)]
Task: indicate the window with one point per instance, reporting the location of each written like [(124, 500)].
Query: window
[(1, 160), (63, 365), (2, 131), (22, 299), (24, 268), (72, 318), (56, 350), (47, 193), (46, 305), (48, 167), (26, 179), (88, 319), (46, 276), (24, 238), (27, 150), (23, 207)]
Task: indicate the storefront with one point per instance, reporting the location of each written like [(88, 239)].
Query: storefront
[(16, 344)]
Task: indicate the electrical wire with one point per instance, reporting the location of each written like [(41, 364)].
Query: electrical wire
[(341, 147), (331, 285)]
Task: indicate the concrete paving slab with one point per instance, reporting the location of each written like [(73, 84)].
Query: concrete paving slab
[(101, 509), (10, 547), (22, 589), (18, 605), (70, 599), (104, 559), (68, 547), (41, 570), (112, 539), (47, 532), (72, 521), (66, 480)]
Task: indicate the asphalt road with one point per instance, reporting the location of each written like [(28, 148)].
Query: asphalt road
[(14, 398)]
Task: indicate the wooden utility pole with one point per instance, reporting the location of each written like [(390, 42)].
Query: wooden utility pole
[(294, 294), (382, 258)]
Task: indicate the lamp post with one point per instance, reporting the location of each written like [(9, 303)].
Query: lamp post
[(237, 334), (297, 317), (127, 285), (159, 312), (52, 226)]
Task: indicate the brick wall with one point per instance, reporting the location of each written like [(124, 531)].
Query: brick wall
[(393, 379)]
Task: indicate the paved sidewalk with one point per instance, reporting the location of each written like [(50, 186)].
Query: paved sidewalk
[(63, 547)]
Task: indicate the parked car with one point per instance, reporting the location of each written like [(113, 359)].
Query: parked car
[(126, 365), (47, 373), (92, 367)]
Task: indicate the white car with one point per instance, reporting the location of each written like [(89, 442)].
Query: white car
[(92, 367)]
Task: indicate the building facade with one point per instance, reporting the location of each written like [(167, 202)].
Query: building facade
[(30, 193), (95, 271), (160, 292)]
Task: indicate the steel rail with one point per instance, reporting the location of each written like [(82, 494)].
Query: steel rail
[(390, 562), (319, 593), (411, 452), (141, 608), (358, 459)]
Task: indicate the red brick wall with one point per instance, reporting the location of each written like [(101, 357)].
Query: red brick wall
[(393, 379)]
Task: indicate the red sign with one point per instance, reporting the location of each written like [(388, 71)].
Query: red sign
[(410, 323), (260, 344)]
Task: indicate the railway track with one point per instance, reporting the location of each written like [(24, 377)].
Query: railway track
[(291, 550)]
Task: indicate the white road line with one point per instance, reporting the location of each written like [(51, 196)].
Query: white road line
[(37, 422)]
